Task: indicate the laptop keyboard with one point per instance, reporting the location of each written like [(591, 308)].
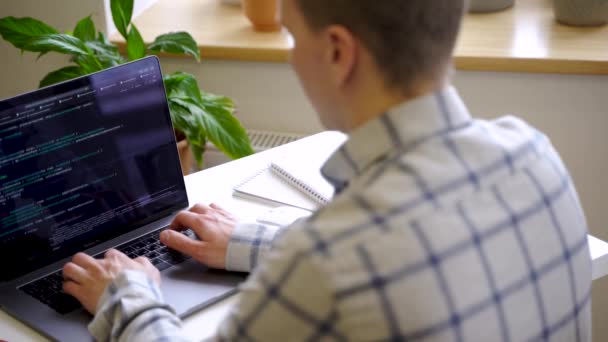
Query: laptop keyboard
[(49, 290)]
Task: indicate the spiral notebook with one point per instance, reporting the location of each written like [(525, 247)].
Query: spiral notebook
[(287, 182)]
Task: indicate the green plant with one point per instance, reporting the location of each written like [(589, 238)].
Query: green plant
[(198, 115)]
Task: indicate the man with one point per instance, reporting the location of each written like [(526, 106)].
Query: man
[(443, 227)]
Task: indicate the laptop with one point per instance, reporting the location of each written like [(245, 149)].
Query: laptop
[(87, 165)]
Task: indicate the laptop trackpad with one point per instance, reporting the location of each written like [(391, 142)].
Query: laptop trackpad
[(190, 286)]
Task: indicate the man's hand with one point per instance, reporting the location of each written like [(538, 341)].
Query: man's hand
[(213, 226), (86, 278)]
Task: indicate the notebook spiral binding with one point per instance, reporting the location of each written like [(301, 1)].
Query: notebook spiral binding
[(299, 184), (246, 180)]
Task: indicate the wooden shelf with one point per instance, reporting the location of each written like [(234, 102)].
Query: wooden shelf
[(525, 38)]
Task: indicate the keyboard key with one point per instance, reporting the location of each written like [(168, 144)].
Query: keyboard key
[(140, 252), (163, 266), (152, 255), (63, 303), (174, 258)]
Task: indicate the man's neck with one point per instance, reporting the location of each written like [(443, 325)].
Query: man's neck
[(375, 101)]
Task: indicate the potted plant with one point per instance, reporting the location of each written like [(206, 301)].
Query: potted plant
[(197, 116)]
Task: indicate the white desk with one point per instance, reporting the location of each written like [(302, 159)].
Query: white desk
[(214, 185)]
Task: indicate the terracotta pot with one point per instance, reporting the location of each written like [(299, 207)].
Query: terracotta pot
[(185, 156), (263, 14)]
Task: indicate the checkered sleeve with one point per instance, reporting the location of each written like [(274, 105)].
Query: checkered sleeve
[(132, 309), (248, 243), (288, 296)]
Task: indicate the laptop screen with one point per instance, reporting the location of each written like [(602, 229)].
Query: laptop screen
[(83, 162)]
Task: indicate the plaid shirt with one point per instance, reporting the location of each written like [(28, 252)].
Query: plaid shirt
[(444, 228)]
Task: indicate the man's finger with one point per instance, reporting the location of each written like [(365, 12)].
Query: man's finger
[(196, 222), (113, 253), (85, 261), (183, 244), (220, 209), (73, 272), (183, 220), (200, 208), (142, 260), (72, 289)]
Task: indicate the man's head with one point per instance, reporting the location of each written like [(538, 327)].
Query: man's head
[(347, 48)]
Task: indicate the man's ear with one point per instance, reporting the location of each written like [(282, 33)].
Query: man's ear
[(342, 53)]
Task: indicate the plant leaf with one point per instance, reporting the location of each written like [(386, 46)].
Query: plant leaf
[(85, 29), (176, 42), (107, 54), (207, 115), (220, 127), (101, 37), (18, 31), (185, 122), (198, 152), (180, 118), (182, 85), (62, 43), (88, 63), (122, 10), (61, 75), (136, 48), (223, 129), (99, 47)]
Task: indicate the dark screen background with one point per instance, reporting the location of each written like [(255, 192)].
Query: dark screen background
[(83, 162)]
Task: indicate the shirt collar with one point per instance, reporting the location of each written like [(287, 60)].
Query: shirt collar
[(402, 128)]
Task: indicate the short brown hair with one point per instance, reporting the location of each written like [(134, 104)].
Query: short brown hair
[(409, 39)]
